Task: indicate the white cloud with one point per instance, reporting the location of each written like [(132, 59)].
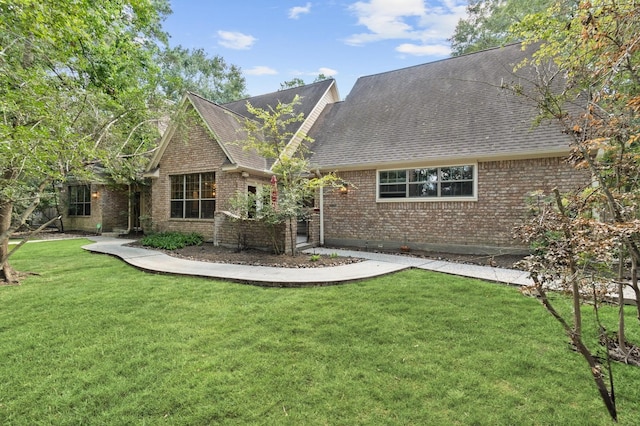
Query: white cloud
[(260, 70), (424, 49), (426, 24), (235, 40), (295, 12), (326, 71)]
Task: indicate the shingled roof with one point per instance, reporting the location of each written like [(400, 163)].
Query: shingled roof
[(225, 121), (446, 111), (227, 127), (310, 94)]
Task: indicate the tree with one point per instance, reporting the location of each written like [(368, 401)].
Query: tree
[(488, 22), (290, 84), (270, 134), (297, 82), (588, 80), (192, 70), (77, 86)]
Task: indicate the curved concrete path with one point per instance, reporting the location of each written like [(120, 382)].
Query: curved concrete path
[(376, 264)]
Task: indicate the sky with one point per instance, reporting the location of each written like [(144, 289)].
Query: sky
[(274, 41)]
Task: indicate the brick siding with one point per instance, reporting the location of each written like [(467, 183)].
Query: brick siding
[(109, 209), (200, 153), (485, 225)]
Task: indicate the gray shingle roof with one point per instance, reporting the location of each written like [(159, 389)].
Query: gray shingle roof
[(310, 95), (223, 119), (228, 130), (440, 111)]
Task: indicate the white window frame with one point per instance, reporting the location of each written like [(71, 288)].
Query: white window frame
[(259, 201), (436, 199)]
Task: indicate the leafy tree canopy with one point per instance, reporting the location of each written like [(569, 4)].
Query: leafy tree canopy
[(192, 70), (488, 22), (78, 83), (587, 78), (297, 82)]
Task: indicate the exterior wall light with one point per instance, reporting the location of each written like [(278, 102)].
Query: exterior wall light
[(95, 194), (344, 188)]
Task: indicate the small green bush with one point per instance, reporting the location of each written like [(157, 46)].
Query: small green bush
[(314, 257), (172, 240)]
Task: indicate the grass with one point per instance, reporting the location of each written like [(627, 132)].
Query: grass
[(92, 340)]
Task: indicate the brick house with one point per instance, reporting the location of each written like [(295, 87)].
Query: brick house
[(199, 165), (103, 207), (437, 156)]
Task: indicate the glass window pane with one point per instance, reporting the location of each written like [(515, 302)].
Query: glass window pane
[(208, 208), (457, 189), (466, 189), (429, 189), (467, 172), (192, 209), (176, 209), (446, 189), (393, 191), (446, 173), (192, 187), (177, 187), (208, 185), (423, 175), (393, 176)]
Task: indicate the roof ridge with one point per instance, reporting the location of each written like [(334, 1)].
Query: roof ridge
[(450, 58), (282, 90)]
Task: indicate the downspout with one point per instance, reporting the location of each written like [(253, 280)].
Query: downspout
[(321, 216), (129, 219)]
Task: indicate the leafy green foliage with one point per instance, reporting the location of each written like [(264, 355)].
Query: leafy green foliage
[(297, 82), (172, 240), (77, 87), (587, 79), (271, 134), (192, 70), (488, 23)]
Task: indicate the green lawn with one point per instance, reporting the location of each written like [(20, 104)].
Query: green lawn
[(91, 340)]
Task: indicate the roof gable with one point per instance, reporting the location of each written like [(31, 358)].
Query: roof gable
[(224, 122), (440, 111)]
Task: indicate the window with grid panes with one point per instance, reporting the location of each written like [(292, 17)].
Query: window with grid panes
[(427, 183), (80, 200), (193, 196)]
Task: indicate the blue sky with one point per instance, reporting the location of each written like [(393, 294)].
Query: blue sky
[(276, 41)]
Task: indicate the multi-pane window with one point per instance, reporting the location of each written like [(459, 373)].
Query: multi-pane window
[(79, 200), (193, 196), (432, 182)]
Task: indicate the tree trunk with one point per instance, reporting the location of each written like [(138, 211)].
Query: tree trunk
[(7, 274), (608, 397)]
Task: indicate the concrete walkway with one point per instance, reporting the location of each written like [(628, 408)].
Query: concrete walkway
[(376, 264)]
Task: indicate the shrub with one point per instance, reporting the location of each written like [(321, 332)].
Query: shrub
[(172, 240)]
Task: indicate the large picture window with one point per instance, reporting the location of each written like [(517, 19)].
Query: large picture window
[(79, 200), (193, 196), (427, 183)]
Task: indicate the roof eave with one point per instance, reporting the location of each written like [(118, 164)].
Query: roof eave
[(444, 160), (237, 168)]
